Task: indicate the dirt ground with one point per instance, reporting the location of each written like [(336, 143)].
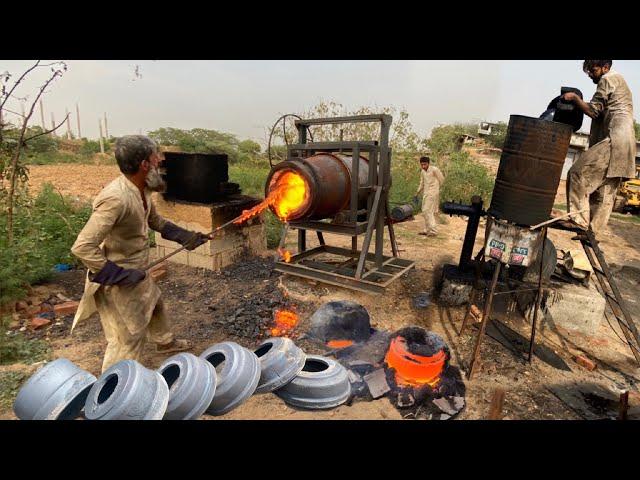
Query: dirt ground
[(198, 301)]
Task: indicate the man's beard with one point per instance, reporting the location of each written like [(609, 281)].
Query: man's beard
[(155, 182)]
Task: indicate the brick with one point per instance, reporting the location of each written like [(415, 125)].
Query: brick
[(585, 362), (38, 322), (476, 313), (65, 308), (158, 273)]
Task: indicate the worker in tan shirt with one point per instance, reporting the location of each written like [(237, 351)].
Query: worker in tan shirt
[(114, 246), (431, 179), (593, 180)]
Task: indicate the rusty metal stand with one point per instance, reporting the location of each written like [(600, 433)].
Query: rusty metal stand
[(538, 295), (486, 311), (488, 301), (360, 270), (611, 293)]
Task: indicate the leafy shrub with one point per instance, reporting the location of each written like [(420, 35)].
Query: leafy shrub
[(465, 178), (44, 230)]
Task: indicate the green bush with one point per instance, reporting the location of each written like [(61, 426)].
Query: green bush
[(10, 383), (44, 231), (465, 178), (498, 135)]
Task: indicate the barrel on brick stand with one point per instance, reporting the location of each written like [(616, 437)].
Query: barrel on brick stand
[(530, 168)]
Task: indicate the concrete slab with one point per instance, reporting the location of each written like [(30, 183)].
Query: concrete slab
[(570, 306)]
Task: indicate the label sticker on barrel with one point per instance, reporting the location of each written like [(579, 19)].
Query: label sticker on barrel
[(516, 259), (496, 248), (520, 250)]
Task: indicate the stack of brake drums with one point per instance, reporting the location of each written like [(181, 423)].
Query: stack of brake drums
[(185, 387)]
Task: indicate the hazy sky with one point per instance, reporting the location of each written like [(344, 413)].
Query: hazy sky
[(246, 97)]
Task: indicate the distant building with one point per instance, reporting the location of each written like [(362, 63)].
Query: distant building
[(485, 128), (578, 144)]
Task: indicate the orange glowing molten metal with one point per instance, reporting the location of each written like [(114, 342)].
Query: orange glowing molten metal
[(339, 343), (284, 254), (414, 370), (286, 320), (289, 193)]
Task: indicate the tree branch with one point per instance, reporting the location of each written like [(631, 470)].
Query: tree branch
[(46, 131), (17, 82)]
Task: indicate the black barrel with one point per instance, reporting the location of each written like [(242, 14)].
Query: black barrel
[(530, 167), (402, 212), (195, 177)]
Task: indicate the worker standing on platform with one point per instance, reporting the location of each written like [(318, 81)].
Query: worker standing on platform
[(431, 180), (593, 180)]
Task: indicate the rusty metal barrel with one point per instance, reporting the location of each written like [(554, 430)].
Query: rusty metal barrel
[(530, 167), (328, 180)]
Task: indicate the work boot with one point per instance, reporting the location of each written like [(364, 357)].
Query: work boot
[(174, 346)]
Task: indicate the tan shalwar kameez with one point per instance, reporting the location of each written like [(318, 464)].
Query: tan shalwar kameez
[(430, 182), (593, 180), (118, 230)]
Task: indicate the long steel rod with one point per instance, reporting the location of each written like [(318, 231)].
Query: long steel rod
[(485, 318), (538, 296)]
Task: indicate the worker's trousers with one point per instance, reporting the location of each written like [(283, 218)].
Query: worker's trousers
[(589, 189), (429, 210), (121, 343)]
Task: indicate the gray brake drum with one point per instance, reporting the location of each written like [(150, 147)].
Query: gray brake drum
[(322, 383), (280, 362), (192, 385), (128, 391), (55, 392), (238, 372)]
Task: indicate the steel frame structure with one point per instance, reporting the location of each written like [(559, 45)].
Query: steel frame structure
[(353, 272)]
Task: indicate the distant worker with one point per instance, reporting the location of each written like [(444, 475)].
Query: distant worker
[(593, 180), (114, 246), (431, 179)]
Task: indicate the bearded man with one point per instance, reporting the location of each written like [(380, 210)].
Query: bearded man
[(594, 179), (114, 246)]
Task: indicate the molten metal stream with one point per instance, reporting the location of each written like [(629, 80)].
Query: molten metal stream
[(288, 195)]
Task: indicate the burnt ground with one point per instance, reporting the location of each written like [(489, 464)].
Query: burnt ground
[(238, 304)]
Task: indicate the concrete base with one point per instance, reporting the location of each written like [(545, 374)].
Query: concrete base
[(228, 246), (574, 307)]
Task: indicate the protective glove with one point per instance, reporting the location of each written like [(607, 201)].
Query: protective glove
[(112, 274), (188, 239)]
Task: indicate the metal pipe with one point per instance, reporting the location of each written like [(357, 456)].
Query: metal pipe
[(474, 212)]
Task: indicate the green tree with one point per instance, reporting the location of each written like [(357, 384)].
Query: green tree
[(206, 141), (636, 127), (402, 136)]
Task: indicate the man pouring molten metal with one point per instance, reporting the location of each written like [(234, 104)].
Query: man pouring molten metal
[(114, 246)]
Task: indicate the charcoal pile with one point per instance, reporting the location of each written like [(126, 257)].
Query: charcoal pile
[(248, 309)]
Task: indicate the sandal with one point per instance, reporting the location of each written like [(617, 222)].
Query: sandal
[(174, 346)]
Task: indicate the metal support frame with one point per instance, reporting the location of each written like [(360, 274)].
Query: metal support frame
[(488, 302), (364, 271)]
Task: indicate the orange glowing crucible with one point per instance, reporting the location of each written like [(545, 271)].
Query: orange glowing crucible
[(414, 370)]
